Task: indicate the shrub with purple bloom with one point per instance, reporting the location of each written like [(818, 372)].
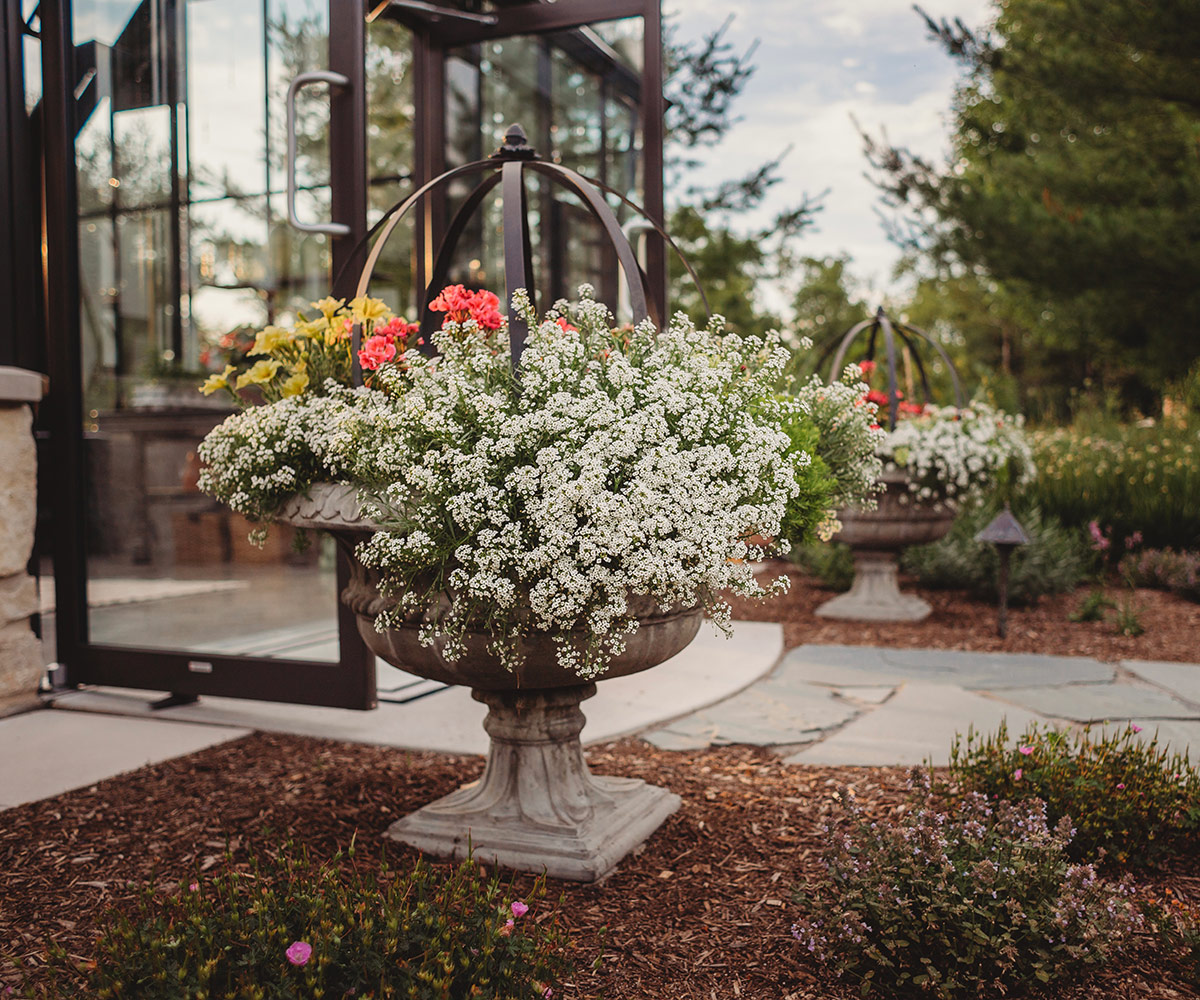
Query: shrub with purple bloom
[(981, 902)]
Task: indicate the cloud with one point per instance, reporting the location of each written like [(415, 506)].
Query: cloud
[(818, 64)]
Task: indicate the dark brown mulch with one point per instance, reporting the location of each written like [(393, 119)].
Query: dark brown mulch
[(703, 911), (959, 621)]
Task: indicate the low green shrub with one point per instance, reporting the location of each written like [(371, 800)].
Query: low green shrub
[(982, 902), (1131, 800), (830, 562), (1093, 607), (1056, 560), (1164, 569), (289, 929)]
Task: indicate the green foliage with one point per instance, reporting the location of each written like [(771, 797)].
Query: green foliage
[(815, 481), (1073, 181), (1164, 569), (1129, 799), (1092, 607), (1126, 477), (1055, 561), (416, 935), (979, 902), (1128, 620), (831, 562)]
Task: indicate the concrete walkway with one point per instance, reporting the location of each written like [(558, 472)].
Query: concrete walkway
[(815, 705)]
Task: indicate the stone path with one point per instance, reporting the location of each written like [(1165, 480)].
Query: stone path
[(854, 705), (870, 706)]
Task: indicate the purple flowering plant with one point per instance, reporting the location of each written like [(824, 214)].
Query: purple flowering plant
[(983, 901), (1132, 801)]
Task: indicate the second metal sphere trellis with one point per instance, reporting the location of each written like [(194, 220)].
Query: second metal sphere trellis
[(909, 335), (507, 167)]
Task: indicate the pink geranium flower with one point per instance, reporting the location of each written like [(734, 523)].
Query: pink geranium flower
[(1025, 750), (1017, 774), (299, 952), (519, 909)]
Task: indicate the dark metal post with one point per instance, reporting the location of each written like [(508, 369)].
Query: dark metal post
[(348, 137), (1005, 533), (64, 404), (653, 110), (1005, 553)]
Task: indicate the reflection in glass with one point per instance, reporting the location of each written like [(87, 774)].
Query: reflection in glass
[(577, 95), (184, 252)]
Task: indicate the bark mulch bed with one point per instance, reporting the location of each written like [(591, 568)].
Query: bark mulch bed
[(959, 621), (703, 911)]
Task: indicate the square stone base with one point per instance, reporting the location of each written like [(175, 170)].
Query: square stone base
[(627, 813)]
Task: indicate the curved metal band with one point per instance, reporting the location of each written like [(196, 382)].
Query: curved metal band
[(364, 277), (956, 384), (666, 238), (604, 214), (441, 266), (839, 358)]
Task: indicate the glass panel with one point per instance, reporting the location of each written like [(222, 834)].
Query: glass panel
[(390, 119), (184, 250), (576, 94)]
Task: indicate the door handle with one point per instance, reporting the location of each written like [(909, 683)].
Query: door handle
[(302, 80)]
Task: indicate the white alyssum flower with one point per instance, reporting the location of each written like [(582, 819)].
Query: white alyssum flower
[(955, 455)]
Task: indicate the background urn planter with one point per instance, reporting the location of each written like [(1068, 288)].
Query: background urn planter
[(537, 806), (876, 538)]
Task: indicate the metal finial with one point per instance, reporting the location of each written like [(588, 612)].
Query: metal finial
[(515, 146)]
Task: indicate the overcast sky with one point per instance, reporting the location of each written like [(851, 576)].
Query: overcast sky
[(819, 62)]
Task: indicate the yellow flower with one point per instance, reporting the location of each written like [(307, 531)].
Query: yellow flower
[(329, 305), (296, 383), (269, 340), (215, 382), (262, 371), (364, 310)]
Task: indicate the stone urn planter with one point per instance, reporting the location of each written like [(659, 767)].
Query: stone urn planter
[(537, 807), (876, 538)]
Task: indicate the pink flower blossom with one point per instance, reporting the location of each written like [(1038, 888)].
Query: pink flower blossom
[(1099, 541), (299, 952), (1135, 727), (1017, 774), (1025, 750), (519, 909), (507, 929), (194, 887), (1120, 786), (376, 351)]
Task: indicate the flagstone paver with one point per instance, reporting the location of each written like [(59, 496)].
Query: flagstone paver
[(917, 724), (1100, 702), (1181, 678), (844, 666)]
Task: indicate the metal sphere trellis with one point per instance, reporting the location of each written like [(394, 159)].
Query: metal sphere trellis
[(899, 520), (506, 168), (910, 336)]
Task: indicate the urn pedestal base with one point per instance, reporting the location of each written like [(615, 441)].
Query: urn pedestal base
[(538, 807), (875, 595)]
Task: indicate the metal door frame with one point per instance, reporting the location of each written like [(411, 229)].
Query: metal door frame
[(348, 683)]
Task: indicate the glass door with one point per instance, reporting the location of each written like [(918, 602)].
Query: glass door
[(184, 250)]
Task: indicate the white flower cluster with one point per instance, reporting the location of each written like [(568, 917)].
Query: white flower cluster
[(617, 468), (954, 455)]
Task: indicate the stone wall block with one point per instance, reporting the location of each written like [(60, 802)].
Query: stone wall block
[(21, 657), (18, 488), (18, 598)]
